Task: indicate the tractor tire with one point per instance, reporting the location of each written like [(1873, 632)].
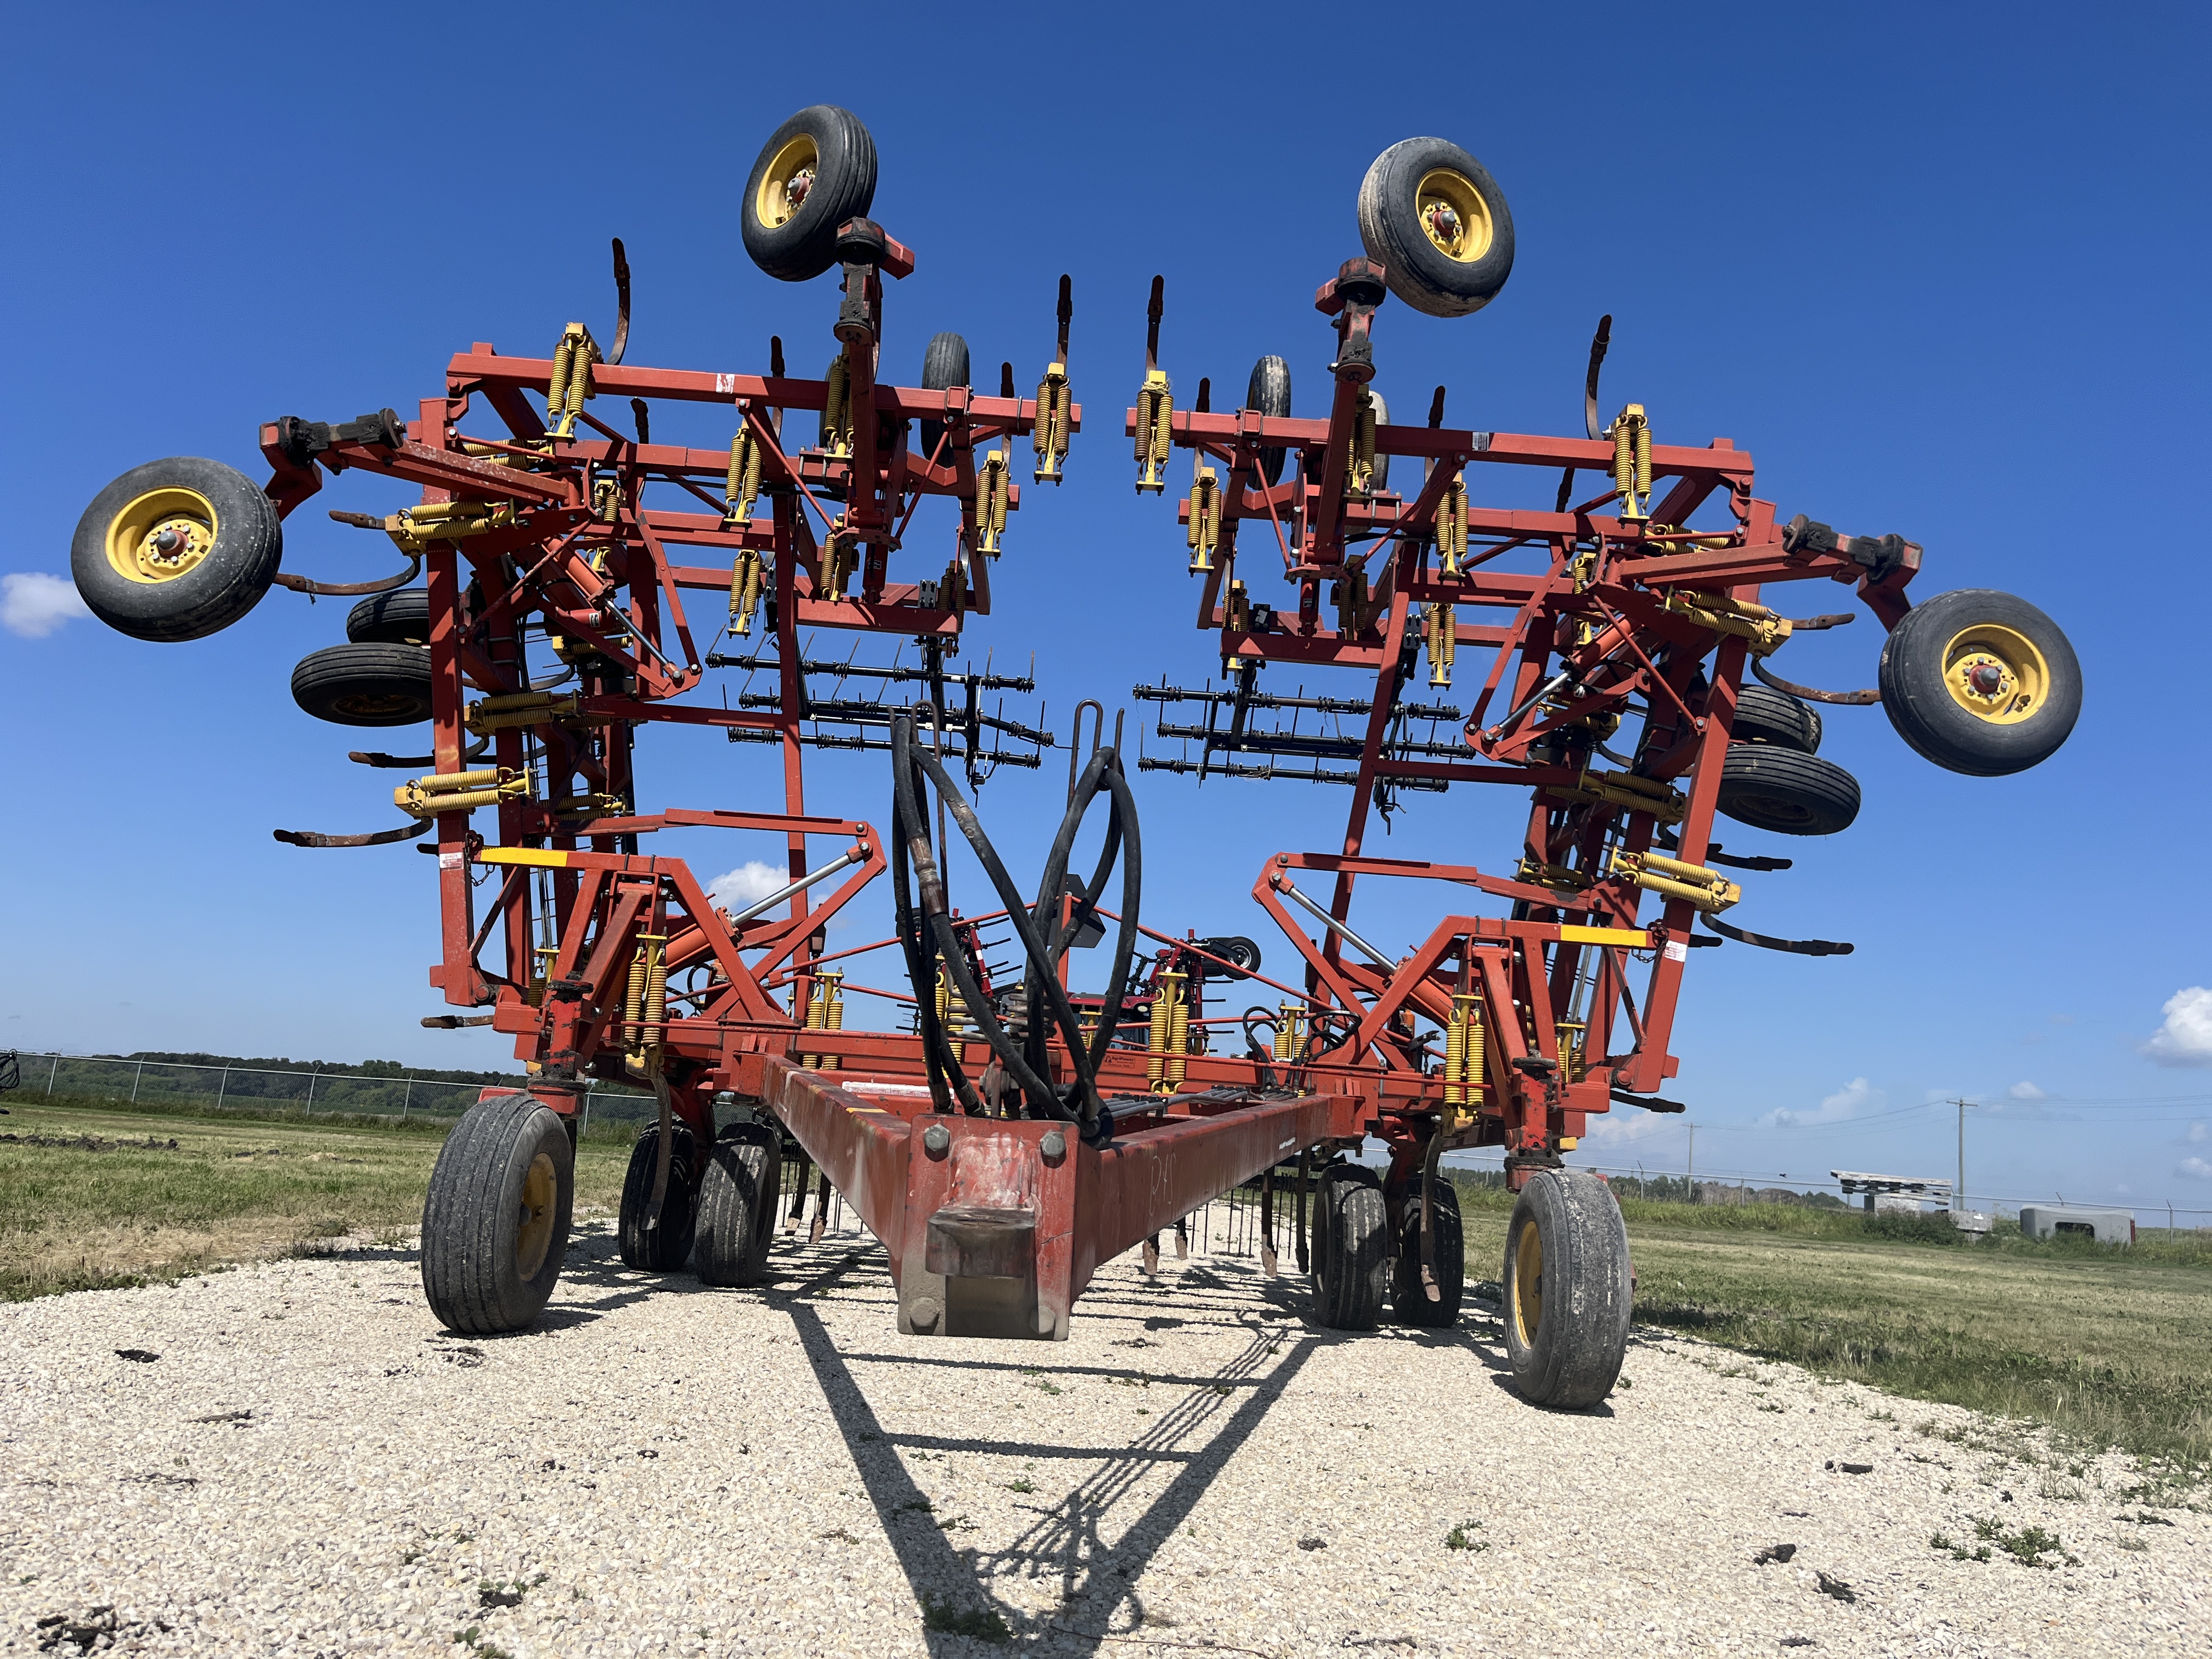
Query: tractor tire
[(365, 684), (1568, 1290), (1352, 1249), (2034, 692), (176, 549), (1766, 715), (736, 1214), (943, 366), (496, 1219), (401, 616), (1409, 1299), (1241, 953), (1269, 394), (794, 239), (1770, 787), (664, 1248), (1438, 223)]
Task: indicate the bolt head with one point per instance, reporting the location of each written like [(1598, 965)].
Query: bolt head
[(937, 1140), (1053, 1145)]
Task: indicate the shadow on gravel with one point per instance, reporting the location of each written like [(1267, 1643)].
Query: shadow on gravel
[(1098, 1584)]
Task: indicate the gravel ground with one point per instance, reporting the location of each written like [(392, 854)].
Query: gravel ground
[(310, 1467)]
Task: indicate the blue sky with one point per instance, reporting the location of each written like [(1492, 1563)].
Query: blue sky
[(1938, 268)]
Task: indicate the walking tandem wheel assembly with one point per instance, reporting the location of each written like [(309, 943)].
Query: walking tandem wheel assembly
[(1022, 1132)]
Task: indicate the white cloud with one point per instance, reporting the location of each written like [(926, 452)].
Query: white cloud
[(1854, 1099), (2198, 1134), (1624, 1126), (749, 884), (2195, 1168), (2024, 1090), (34, 604), (2186, 1038)]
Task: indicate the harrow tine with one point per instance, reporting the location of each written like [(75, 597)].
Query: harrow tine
[(621, 314)]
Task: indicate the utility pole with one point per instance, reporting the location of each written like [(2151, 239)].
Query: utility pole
[(1958, 1192), (1690, 1180)]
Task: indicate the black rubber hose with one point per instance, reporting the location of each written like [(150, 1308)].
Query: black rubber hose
[(910, 854), (929, 937)]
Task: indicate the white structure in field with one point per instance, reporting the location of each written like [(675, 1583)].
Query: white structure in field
[(2107, 1226)]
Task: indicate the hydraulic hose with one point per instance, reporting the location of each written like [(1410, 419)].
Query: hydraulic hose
[(927, 935)]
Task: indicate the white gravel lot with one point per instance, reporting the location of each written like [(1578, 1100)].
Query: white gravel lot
[(311, 1467)]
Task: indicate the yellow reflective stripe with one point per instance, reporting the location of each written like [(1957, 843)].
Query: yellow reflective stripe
[(1633, 936), (535, 857)]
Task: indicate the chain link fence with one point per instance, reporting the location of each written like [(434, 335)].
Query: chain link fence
[(393, 1091)]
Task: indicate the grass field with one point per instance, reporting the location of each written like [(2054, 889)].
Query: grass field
[(2107, 1346), (234, 1187)]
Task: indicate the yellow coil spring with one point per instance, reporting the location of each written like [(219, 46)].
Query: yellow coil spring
[(1631, 461), (1362, 469), (1155, 428), (991, 500), (654, 1010), (1048, 435), (634, 999), (1440, 633), (556, 389), (818, 1006), (1572, 1035), (571, 381), (743, 488), (1463, 1051), (833, 1012), (837, 407), (744, 590), (1290, 1027), (1205, 532), (1178, 1043), (1451, 526), (839, 560), (1166, 999), (946, 1016)]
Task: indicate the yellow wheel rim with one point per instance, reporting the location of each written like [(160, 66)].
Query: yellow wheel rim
[(1454, 216), (533, 1228), (783, 188), (1528, 1283), (161, 536), (1996, 673)]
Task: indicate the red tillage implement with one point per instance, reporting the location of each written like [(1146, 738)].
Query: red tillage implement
[(1020, 1134)]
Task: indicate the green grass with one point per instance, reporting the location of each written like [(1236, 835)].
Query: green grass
[(2105, 1347), (237, 1186)]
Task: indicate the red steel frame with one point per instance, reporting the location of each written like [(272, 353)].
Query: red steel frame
[(1596, 602), (602, 572), (582, 555)]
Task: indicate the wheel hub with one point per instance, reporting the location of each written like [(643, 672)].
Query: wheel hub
[(161, 536), (789, 178), (533, 1225), (1528, 1283), (1453, 216), (1995, 673)]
